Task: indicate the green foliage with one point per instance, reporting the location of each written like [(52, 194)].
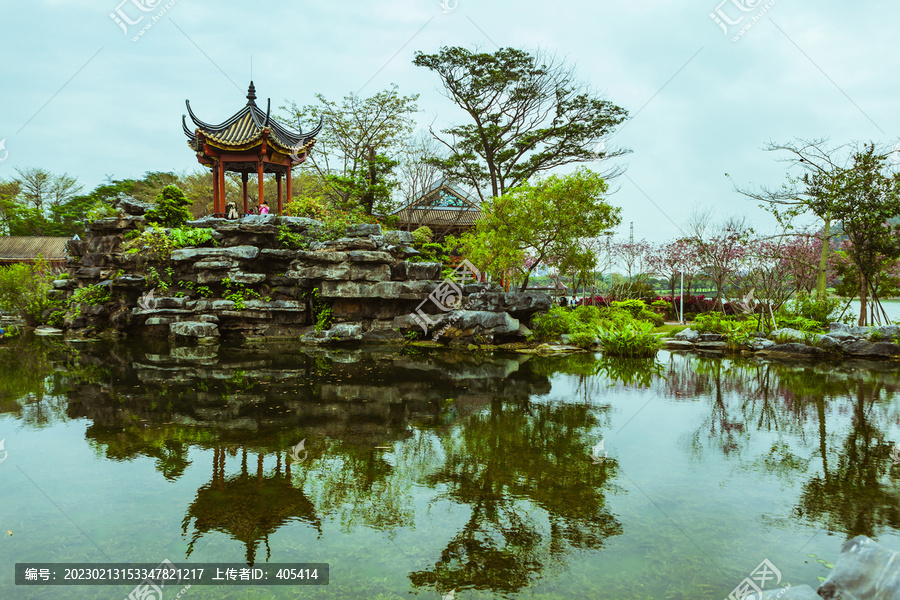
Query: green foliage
[(239, 294), (737, 332), (153, 245), (171, 208), (91, 295), (422, 235), (431, 252), (801, 324), (291, 240), (334, 221), (100, 210), (582, 324), (635, 307), (183, 237), (634, 340), (25, 290), (161, 281), (821, 309), (545, 220), (528, 114), (202, 290), (321, 310)]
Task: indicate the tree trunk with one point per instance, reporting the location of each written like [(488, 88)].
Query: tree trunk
[(863, 290), (823, 260)]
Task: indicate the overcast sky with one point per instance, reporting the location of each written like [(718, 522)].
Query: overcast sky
[(81, 97)]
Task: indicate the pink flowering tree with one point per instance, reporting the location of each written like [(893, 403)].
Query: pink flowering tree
[(670, 260), (721, 252)]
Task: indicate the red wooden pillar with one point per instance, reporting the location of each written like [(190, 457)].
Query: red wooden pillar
[(259, 171), (215, 178), (278, 181), (221, 202), (244, 177), (290, 169)]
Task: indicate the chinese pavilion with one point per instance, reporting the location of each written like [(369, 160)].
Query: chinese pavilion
[(248, 142)]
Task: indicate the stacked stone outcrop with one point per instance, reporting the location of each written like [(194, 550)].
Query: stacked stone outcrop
[(245, 283)]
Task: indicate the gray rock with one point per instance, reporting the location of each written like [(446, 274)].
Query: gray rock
[(234, 252), (398, 237), (830, 343), (759, 344), (278, 253), (786, 333), (160, 321), (711, 346), (129, 282), (425, 270), (213, 264), (375, 256), (842, 336), (673, 344), (335, 272), (341, 332), (304, 256), (498, 323), (873, 349), (792, 348), (838, 327), (382, 335), (194, 329), (299, 224), (45, 330), (362, 230), (64, 284), (864, 569), (171, 302), (370, 272), (345, 244), (354, 289), (688, 335), (885, 332), (247, 278), (131, 206), (712, 337)]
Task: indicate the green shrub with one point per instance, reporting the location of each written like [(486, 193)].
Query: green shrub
[(431, 252), (655, 318), (583, 339), (25, 290), (171, 208), (635, 307), (552, 324), (422, 236), (191, 236), (291, 240), (100, 210), (634, 340), (821, 310), (801, 324)]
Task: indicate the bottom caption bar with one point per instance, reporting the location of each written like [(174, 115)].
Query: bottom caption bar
[(168, 574)]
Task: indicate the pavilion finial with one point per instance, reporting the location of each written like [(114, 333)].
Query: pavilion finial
[(251, 95)]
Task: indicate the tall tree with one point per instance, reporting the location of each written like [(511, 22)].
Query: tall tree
[(546, 219), (357, 149), (864, 197), (808, 193), (35, 184), (528, 112)]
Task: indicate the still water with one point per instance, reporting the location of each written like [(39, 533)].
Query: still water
[(427, 471)]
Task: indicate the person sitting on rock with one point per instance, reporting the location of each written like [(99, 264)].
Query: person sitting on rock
[(263, 209), (231, 211)]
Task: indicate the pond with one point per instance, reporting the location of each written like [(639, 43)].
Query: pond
[(429, 471)]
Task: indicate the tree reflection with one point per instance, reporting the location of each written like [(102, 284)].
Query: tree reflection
[(515, 466)]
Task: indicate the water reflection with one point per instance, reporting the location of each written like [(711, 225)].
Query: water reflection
[(479, 431)]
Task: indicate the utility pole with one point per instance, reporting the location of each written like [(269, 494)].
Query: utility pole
[(631, 237)]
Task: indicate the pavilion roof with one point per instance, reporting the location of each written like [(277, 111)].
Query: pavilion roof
[(245, 130), (442, 205)]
